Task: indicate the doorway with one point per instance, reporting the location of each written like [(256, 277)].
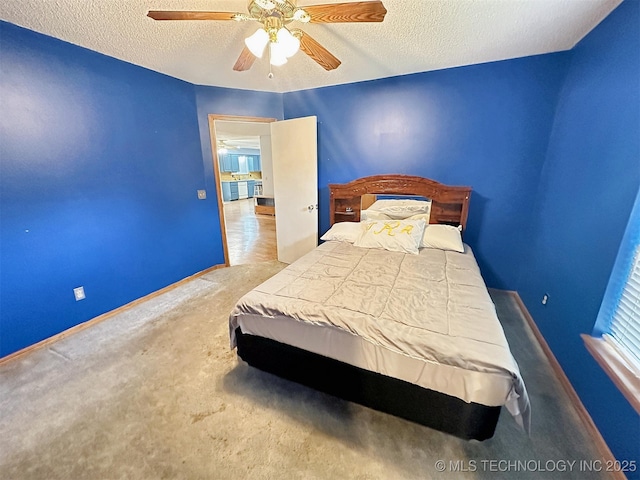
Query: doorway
[(289, 182), (241, 172)]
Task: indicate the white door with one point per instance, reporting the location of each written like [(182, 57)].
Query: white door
[(295, 186)]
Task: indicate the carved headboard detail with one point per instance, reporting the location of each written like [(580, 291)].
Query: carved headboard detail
[(449, 204)]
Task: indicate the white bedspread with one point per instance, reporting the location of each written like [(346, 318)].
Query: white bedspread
[(427, 319)]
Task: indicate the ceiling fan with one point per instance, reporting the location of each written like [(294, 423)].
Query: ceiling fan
[(274, 17), (224, 147)]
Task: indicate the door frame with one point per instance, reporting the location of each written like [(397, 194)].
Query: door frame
[(216, 167)]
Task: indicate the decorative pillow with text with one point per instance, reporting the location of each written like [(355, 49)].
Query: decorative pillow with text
[(393, 235)]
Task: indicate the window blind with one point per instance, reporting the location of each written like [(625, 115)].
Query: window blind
[(624, 330)]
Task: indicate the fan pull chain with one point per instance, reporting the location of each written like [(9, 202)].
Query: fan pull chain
[(270, 75)]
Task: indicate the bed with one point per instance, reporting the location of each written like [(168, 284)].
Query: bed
[(406, 328)]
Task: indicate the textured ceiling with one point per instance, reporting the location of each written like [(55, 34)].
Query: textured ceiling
[(416, 36), (241, 134)]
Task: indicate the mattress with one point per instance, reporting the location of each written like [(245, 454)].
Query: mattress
[(426, 319)]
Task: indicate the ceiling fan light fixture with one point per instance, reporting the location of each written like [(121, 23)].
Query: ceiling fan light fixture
[(257, 42), (277, 56), (288, 43)]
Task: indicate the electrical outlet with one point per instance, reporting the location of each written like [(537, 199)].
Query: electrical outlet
[(79, 293), (202, 194), (545, 298)]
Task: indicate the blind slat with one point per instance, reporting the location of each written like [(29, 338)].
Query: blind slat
[(626, 336), (625, 324), (628, 327)]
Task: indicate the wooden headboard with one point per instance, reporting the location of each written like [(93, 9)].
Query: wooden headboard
[(449, 204)]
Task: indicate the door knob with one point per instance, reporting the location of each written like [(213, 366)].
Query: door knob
[(310, 208)]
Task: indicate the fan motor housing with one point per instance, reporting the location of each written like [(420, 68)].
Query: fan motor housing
[(285, 9)]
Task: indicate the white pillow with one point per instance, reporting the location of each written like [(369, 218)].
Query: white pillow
[(343, 232), (401, 209), (373, 215), (443, 237), (393, 235)]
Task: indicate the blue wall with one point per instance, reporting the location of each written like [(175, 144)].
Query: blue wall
[(100, 166), (589, 182), (484, 125)]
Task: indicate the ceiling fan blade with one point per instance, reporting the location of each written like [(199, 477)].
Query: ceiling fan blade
[(179, 15), (372, 11), (245, 60), (318, 53)]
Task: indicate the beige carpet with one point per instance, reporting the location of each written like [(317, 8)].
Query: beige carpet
[(155, 392)]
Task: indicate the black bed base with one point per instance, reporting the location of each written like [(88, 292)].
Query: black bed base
[(380, 392)]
